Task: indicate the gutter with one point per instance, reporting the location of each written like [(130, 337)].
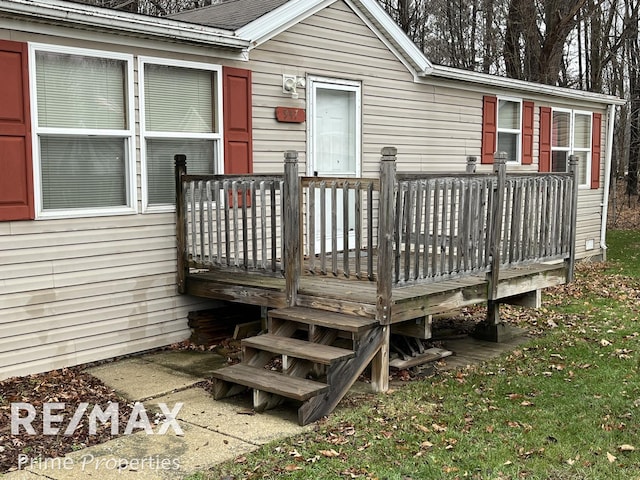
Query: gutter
[(60, 12), (449, 73), (607, 181)]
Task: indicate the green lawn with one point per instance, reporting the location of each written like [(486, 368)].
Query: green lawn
[(563, 406)]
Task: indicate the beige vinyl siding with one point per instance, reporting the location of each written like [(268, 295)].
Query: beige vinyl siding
[(72, 294)]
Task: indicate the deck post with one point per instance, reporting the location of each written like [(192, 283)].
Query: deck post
[(181, 237), (380, 363), (571, 260), (385, 234), (291, 226), (471, 164), (491, 329), (495, 232)]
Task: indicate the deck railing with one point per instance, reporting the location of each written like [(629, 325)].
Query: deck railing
[(398, 229), (340, 227), (230, 221)]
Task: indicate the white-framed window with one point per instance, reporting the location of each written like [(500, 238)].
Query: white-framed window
[(509, 128), (571, 135), (180, 113), (83, 142)]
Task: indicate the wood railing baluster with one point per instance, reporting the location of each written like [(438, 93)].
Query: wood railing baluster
[(345, 228), (358, 228), (370, 233), (418, 230), (323, 227), (263, 226), (311, 241)]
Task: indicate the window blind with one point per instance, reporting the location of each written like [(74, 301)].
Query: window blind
[(160, 165), (75, 91), (178, 99), (79, 172)]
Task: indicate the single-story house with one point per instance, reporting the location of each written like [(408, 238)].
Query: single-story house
[(94, 103)]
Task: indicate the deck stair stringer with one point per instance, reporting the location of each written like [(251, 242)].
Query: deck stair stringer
[(336, 366)]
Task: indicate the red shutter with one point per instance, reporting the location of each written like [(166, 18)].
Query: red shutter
[(545, 140), (489, 128), (16, 177), (596, 147), (238, 144), (527, 133)]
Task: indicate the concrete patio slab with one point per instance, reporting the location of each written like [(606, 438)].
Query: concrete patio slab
[(21, 475), (138, 379), (198, 364), (149, 457), (234, 416)]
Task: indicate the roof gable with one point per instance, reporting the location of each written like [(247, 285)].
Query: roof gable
[(259, 21)]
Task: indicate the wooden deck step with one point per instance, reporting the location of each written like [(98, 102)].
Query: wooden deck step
[(339, 321), (268, 381), (315, 352)]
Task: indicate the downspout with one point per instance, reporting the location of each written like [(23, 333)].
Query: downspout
[(607, 182)]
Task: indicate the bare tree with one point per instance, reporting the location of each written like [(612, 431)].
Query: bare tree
[(150, 7), (633, 63)]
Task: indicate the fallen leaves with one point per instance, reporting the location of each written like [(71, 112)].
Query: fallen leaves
[(329, 453), (627, 448)]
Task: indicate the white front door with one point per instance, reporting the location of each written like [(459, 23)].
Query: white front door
[(334, 143)]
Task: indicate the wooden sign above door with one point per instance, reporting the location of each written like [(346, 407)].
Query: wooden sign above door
[(290, 115)]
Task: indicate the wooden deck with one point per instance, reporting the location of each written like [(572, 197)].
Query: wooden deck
[(357, 258), (359, 297)]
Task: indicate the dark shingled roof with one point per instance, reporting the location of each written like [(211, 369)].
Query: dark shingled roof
[(230, 14)]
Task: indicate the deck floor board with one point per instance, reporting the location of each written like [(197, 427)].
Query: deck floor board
[(340, 294)]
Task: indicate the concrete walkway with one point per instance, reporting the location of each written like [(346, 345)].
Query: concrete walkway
[(212, 431)]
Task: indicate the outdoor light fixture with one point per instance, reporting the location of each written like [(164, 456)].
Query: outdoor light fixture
[(290, 84)]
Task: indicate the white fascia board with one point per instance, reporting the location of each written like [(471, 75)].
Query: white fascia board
[(439, 71), (381, 19), (280, 19), (61, 12)]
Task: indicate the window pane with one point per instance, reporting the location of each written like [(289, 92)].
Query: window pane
[(559, 161), (561, 129), (508, 142), (160, 165), (583, 165), (178, 99), (582, 131), (509, 115), (83, 172), (75, 91)]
